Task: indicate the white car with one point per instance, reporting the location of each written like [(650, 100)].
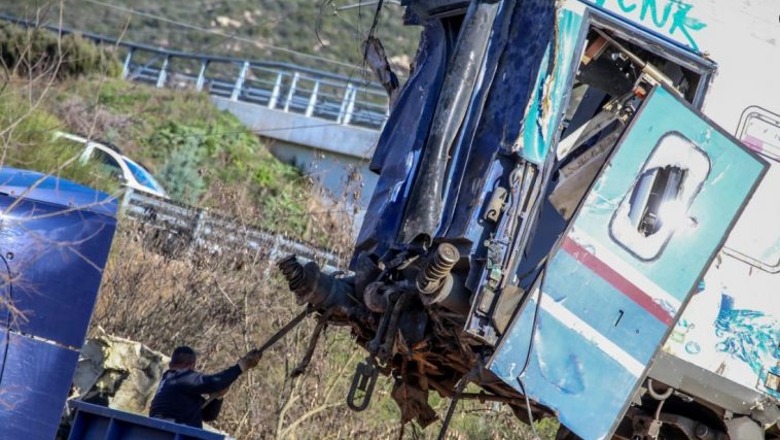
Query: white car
[(131, 174)]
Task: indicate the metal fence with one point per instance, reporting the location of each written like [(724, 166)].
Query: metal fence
[(181, 228), (286, 87)]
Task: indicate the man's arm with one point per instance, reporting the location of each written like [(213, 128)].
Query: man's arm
[(211, 383)]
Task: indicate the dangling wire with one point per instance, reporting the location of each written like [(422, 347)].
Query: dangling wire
[(445, 425), (372, 30), (527, 362), (318, 22), (531, 422)]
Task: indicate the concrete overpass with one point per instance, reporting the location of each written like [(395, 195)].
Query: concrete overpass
[(329, 153)]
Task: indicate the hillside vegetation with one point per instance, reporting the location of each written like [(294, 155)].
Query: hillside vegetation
[(201, 155), (330, 30)]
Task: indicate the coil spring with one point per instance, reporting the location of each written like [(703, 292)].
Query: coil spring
[(292, 271), (442, 263)]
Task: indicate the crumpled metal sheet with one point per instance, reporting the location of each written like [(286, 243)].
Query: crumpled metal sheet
[(118, 373), (400, 144), (549, 100)]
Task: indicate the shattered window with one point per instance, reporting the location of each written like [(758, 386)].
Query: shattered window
[(658, 204)]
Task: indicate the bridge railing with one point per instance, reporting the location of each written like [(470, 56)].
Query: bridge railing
[(345, 100)]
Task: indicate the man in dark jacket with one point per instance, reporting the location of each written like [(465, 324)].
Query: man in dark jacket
[(179, 397)]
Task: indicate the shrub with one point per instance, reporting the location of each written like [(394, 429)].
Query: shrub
[(181, 171), (34, 51)]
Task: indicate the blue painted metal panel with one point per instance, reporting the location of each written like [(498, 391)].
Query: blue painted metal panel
[(586, 385), (36, 186), (35, 381), (5, 298), (399, 148), (56, 256), (497, 128), (543, 119), (638, 325), (610, 294), (55, 237), (482, 152), (730, 183), (93, 422)]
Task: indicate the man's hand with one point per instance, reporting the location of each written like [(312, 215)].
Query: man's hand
[(250, 360)]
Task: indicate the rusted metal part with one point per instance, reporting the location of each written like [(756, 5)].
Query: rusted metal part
[(406, 338), (392, 330), (413, 403), (322, 323), (438, 268), (363, 381)]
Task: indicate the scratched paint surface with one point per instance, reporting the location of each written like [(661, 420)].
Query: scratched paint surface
[(673, 19), (544, 114)]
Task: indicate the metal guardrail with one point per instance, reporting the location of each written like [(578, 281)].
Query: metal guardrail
[(187, 228), (280, 86)]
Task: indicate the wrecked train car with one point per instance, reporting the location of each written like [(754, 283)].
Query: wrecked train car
[(576, 211)]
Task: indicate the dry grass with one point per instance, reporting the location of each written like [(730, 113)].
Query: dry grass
[(223, 312)]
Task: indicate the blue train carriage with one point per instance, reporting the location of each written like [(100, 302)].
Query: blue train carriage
[(55, 240), (574, 210)]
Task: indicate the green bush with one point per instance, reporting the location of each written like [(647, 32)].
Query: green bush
[(197, 156), (33, 51), (181, 171)]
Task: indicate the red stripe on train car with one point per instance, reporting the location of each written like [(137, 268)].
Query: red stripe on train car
[(625, 286)]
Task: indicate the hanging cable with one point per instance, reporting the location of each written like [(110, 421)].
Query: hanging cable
[(445, 425), (527, 362)]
